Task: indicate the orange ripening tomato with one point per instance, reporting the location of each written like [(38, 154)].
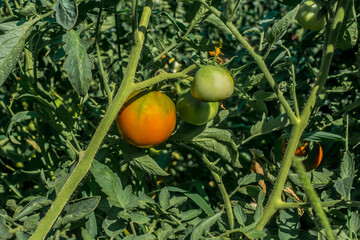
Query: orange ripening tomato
[(147, 119), (314, 154)]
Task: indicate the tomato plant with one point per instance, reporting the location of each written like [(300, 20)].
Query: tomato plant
[(211, 84), (194, 111), (67, 67), (147, 119), (311, 15)]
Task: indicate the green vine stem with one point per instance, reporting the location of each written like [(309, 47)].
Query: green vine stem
[(275, 197), (86, 158), (103, 74), (8, 7), (293, 88), (224, 194), (314, 198)]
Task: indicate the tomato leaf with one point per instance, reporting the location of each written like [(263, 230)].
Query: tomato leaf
[(76, 210), (19, 117), (77, 63), (219, 141), (164, 198), (288, 224), (321, 137), (347, 173), (138, 158), (112, 224), (205, 225), (196, 198), (66, 13), (259, 209), (12, 43), (251, 178), (270, 124), (255, 234), (190, 214), (318, 179), (264, 96), (240, 215), (111, 185), (279, 28), (31, 207), (349, 30)]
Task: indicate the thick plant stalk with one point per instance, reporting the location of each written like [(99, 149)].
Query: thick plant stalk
[(87, 157)]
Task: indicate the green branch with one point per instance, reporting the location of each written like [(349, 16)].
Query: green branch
[(98, 53), (224, 194), (275, 197), (163, 76)]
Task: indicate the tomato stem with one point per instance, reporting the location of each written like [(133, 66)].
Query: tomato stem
[(313, 197), (86, 158), (224, 194)]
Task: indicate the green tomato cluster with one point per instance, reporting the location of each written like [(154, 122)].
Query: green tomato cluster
[(211, 84)]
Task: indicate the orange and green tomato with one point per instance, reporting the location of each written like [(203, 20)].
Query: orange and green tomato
[(147, 119)]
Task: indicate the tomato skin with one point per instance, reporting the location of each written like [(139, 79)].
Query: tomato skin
[(212, 84), (289, 2), (147, 119), (195, 112), (310, 15)]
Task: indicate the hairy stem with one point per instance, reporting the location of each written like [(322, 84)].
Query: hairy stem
[(314, 198), (98, 53)]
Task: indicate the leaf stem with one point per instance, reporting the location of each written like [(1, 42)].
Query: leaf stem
[(98, 53), (293, 88), (163, 76), (8, 7), (223, 192)]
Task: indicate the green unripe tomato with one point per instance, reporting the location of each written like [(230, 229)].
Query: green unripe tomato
[(289, 2), (212, 84), (310, 15), (195, 112)]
